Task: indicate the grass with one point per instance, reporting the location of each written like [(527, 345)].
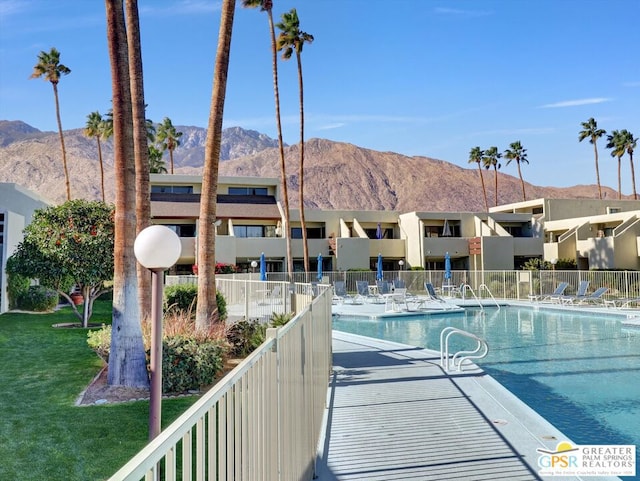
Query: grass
[(43, 435)]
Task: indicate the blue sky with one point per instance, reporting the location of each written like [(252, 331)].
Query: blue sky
[(417, 77)]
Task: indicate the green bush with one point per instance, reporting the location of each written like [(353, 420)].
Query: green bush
[(182, 297), (245, 336), (17, 284), (279, 320), (38, 299), (100, 341), (189, 365)]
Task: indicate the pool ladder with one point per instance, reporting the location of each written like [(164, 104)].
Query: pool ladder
[(481, 287), (455, 361)]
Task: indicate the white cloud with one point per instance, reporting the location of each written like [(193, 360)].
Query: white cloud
[(460, 12), (336, 125), (182, 7), (632, 84), (575, 103)]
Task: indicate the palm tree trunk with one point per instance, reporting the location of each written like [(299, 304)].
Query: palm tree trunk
[(101, 167), (283, 173), (207, 306), (171, 159), (127, 362), (484, 190), (141, 148), (524, 196), (633, 177), (595, 150), (303, 225), (619, 178), (495, 170), (64, 150)]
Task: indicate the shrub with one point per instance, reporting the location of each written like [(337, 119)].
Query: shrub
[(245, 336), (17, 284), (100, 341), (189, 365), (38, 299), (182, 297), (279, 320)]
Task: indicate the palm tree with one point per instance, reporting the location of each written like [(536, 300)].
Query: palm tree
[(266, 6), (127, 364), (207, 306), (475, 156), (615, 142), (292, 39), (141, 134), (593, 133), (518, 153), (51, 69), (156, 164), (490, 159), (94, 129), (629, 145), (168, 139)]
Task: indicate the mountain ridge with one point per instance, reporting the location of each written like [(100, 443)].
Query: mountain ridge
[(338, 175)]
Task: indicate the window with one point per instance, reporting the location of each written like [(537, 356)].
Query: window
[(183, 230), (248, 191), (248, 231), (172, 189), (312, 233)]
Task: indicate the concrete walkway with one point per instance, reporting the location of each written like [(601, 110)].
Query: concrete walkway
[(393, 414)]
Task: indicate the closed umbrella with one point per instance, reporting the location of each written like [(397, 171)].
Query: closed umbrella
[(379, 231), (379, 273), (446, 230), (447, 267), (263, 268), (319, 267)]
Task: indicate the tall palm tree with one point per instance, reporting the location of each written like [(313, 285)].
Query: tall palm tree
[(593, 133), (615, 142), (167, 138), (94, 129), (629, 145), (491, 159), (292, 39), (127, 364), (475, 156), (266, 6), (51, 69), (207, 306), (141, 134), (518, 153)]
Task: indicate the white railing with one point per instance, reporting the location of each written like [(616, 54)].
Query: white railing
[(481, 350), (262, 421)]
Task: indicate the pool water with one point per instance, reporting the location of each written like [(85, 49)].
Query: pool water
[(581, 372)]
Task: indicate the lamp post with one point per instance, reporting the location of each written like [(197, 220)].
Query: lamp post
[(554, 261), (254, 264), (157, 248), (401, 264)]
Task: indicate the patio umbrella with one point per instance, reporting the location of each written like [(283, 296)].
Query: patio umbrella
[(263, 268), (379, 231), (446, 230), (447, 266), (319, 267), (379, 273)]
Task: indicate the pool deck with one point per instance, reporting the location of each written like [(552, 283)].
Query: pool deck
[(393, 413)]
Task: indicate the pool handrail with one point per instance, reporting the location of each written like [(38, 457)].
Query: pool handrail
[(460, 356)]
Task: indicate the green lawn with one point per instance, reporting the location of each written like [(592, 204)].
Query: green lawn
[(43, 435)]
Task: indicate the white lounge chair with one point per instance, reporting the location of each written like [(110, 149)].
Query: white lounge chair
[(554, 296), (580, 294), (595, 297)]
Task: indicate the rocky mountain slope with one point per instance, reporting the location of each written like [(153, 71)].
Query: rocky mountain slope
[(337, 175)]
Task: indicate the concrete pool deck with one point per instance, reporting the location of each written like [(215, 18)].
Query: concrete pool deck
[(394, 413)]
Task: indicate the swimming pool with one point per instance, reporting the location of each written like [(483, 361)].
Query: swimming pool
[(579, 371)]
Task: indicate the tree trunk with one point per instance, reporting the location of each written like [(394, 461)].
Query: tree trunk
[(495, 170), (286, 228), (64, 150), (127, 360), (141, 148), (484, 190), (595, 150), (303, 224), (524, 195), (619, 178), (101, 168), (207, 306), (633, 177)]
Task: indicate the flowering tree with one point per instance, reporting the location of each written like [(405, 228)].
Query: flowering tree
[(68, 246)]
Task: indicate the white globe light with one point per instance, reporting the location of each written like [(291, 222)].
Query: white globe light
[(157, 247)]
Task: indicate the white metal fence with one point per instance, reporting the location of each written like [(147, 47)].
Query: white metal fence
[(263, 420)]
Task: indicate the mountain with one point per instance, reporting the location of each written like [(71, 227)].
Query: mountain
[(337, 175)]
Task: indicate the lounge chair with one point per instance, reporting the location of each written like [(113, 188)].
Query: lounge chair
[(365, 294), (595, 297), (622, 302), (432, 296), (340, 292), (580, 294), (554, 296), (274, 296)]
